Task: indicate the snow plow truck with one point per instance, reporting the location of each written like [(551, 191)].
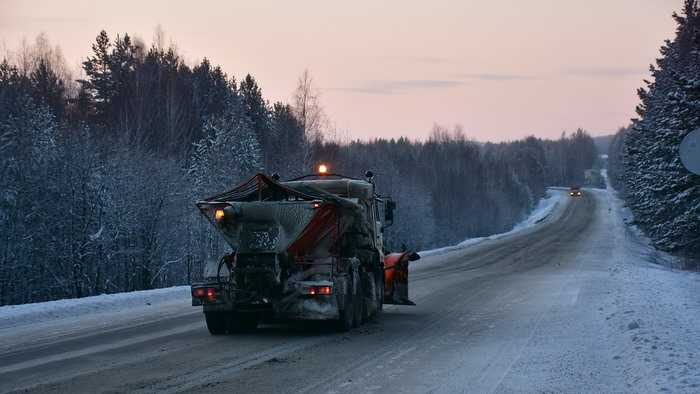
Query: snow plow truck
[(310, 248)]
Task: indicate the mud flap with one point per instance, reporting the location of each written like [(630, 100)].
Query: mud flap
[(396, 277)]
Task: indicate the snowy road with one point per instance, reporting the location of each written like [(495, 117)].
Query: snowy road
[(570, 305)]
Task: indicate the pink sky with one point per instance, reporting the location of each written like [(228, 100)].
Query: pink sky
[(501, 69)]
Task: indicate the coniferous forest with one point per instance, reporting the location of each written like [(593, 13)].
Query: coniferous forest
[(644, 164), (100, 167)]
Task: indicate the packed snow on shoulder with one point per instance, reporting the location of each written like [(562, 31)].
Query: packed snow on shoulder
[(541, 212), (657, 307), (20, 315)]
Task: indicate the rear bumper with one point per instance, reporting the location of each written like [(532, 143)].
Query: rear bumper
[(300, 307), (292, 306)]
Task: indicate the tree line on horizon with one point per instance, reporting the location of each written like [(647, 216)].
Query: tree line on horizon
[(99, 174), (644, 164)]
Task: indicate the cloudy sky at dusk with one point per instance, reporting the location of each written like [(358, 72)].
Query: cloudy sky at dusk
[(501, 69)]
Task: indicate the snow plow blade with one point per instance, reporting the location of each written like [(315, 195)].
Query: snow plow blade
[(396, 277)]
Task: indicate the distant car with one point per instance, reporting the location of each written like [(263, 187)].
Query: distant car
[(575, 191)]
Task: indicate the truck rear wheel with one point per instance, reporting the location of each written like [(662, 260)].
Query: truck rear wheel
[(216, 322), (347, 314), (358, 300)]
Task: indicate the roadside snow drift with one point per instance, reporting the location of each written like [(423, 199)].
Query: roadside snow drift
[(541, 212), (135, 302)]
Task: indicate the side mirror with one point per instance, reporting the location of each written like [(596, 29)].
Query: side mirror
[(389, 206)]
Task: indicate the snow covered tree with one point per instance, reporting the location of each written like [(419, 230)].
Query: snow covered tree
[(616, 173), (258, 114), (287, 144), (210, 87), (76, 216), (664, 196), (228, 152), (27, 155), (48, 89)]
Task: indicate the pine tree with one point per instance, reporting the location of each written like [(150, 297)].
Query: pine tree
[(663, 195), (48, 89), (228, 152), (286, 144), (99, 83), (256, 109)]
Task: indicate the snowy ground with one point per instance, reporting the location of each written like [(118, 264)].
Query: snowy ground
[(17, 315), (658, 308), (45, 321)]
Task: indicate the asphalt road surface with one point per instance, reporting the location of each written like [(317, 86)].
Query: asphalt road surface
[(518, 314)]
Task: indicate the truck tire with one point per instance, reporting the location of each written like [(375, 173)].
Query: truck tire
[(216, 322), (380, 294), (358, 299), (346, 316)]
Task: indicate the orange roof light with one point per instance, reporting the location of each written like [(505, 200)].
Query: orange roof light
[(219, 214), (322, 169)]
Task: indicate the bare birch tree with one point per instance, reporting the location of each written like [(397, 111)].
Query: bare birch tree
[(308, 110)]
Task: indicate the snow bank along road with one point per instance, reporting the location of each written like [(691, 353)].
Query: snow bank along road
[(569, 305)]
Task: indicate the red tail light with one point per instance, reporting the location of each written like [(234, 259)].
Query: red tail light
[(205, 292), (199, 292), (319, 290)]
